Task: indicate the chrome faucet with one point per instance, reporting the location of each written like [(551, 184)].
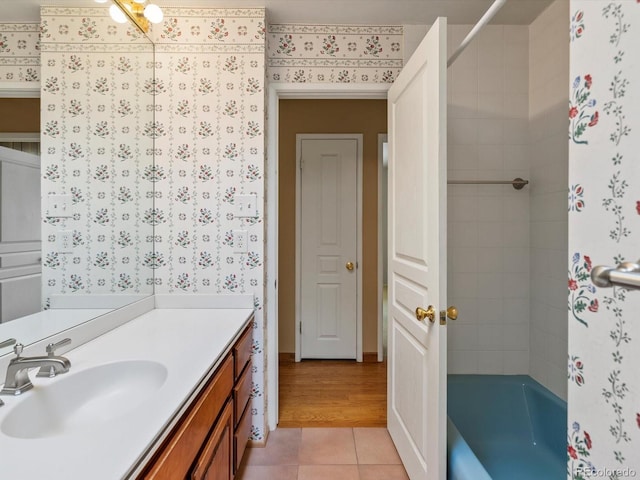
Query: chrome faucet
[(17, 380), (50, 371), (7, 343)]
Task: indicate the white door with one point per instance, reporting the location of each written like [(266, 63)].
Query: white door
[(328, 249), (416, 403), (20, 252)]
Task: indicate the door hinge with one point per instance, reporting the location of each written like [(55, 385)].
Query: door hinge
[(300, 327)]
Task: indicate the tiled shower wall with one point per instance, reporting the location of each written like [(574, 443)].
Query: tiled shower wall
[(549, 156), (488, 225)]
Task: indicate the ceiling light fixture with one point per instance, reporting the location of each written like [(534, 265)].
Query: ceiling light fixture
[(139, 11)]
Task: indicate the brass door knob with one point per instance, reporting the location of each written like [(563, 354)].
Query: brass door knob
[(451, 313), (429, 313), (350, 266)]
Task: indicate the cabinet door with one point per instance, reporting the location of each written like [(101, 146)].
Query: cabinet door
[(216, 459), (176, 457)]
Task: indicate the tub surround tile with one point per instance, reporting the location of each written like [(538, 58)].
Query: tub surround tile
[(493, 220), (516, 362), (490, 362), (462, 361)]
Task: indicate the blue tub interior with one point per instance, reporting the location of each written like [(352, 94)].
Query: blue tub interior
[(512, 425)]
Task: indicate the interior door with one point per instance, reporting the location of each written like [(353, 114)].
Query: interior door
[(328, 229), (416, 404)]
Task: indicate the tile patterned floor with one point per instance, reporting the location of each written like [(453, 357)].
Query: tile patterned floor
[(324, 454)]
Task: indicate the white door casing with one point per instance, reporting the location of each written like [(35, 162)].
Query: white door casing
[(416, 386), (277, 91), (328, 313)]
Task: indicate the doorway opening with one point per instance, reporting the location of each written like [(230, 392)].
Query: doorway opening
[(360, 386)]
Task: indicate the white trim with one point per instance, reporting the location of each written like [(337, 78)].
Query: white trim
[(328, 91), (298, 273), (20, 247), (20, 271), (382, 138), (22, 137), (19, 89), (359, 138), (17, 157), (275, 92), (198, 300)]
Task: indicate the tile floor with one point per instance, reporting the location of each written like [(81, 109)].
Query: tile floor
[(324, 454)]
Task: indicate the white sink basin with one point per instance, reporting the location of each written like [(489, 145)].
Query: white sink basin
[(83, 400)]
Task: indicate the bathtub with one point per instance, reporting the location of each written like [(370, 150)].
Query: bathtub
[(504, 427)]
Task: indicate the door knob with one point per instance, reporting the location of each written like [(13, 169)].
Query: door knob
[(429, 313), (451, 313), (350, 266)]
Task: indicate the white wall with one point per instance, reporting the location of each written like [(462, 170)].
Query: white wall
[(604, 358), (488, 236), (548, 100)]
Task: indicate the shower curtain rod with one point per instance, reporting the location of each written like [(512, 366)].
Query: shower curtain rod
[(486, 18), (518, 183), (625, 275)]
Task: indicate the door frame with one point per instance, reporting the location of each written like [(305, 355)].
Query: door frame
[(358, 137), (276, 92), (382, 139)]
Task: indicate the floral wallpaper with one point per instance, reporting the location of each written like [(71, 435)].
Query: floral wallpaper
[(97, 96), (209, 91), (604, 229), (334, 53), (19, 52)]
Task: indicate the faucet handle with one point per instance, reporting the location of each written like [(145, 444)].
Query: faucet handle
[(50, 372), (17, 349), (7, 343), (52, 347)]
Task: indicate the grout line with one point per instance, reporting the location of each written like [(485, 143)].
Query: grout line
[(355, 449)]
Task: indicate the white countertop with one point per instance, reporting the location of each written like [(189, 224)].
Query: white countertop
[(36, 326), (189, 342)]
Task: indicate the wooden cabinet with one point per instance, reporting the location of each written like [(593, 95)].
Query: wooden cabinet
[(214, 463), (242, 395), (209, 440)]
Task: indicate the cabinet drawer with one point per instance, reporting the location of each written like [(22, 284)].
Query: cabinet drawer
[(241, 438), (241, 393), (176, 456), (216, 460), (242, 351)]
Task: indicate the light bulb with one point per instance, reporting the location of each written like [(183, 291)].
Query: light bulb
[(139, 1), (117, 15), (102, 1), (153, 13)]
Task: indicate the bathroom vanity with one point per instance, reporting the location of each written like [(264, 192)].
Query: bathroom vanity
[(212, 434), (163, 396)]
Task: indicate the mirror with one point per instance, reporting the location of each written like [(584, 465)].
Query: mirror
[(90, 200)]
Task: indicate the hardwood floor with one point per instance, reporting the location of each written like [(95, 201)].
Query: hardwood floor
[(333, 393)]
